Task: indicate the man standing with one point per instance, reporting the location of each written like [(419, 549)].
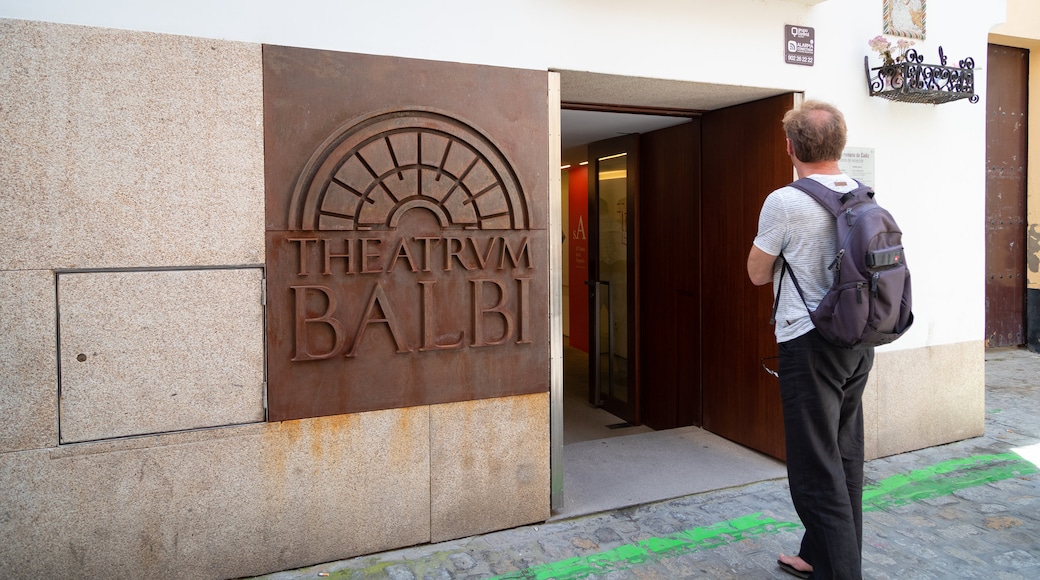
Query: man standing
[(821, 385)]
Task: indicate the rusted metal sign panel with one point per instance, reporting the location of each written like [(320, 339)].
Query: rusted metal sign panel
[(406, 232), (1006, 195)]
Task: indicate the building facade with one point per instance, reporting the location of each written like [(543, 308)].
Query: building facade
[(287, 285)]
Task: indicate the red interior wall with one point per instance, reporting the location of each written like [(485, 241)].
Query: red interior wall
[(578, 256)]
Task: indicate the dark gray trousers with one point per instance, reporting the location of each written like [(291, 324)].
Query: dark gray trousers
[(821, 387)]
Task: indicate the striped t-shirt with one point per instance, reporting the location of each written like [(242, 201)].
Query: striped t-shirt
[(793, 223)]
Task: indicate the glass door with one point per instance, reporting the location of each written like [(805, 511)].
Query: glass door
[(613, 190)]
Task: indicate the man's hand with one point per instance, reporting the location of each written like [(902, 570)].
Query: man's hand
[(760, 266)]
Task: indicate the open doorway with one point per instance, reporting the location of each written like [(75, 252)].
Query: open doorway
[(601, 182), (639, 431)]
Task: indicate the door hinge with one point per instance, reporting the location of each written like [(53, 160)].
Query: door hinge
[(263, 291)]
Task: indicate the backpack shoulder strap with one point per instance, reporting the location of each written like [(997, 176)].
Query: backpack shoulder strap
[(785, 268), (826, 197)]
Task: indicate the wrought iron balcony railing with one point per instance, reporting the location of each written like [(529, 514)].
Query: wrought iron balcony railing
[(912, 81)]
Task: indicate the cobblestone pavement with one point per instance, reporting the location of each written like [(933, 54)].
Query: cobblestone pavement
[(969, 509)]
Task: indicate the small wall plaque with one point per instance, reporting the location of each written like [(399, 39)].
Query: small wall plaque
[(858, 163), (799, 45)]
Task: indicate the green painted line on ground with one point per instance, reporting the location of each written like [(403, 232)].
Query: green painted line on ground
[(624, 557), (940, 479), (943, 479)]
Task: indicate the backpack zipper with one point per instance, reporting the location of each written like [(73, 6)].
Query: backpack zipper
[(837, 261)]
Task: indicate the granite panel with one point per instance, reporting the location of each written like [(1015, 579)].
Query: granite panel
[(220, 503), (28, 373), (489, 465), (123, 149), (930, 396), (154, 351)]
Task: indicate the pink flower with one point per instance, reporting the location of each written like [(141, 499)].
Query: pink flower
[(883, 47), (880, 44)]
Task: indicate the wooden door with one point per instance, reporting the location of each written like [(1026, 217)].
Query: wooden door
[(744, 159), (1006, 195), (669, 266)]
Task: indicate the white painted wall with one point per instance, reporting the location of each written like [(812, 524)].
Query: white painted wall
[(929, 159)]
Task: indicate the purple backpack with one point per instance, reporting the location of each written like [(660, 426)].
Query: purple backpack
[(869, 303)]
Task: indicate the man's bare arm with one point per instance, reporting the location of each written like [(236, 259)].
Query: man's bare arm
[(760, 266)]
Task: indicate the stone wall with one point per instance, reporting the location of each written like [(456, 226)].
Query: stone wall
[(132, 341)]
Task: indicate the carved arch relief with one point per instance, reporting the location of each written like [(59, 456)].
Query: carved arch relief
[(370, 172)]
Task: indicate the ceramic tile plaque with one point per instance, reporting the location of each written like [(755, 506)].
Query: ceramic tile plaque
[(904, 18)]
